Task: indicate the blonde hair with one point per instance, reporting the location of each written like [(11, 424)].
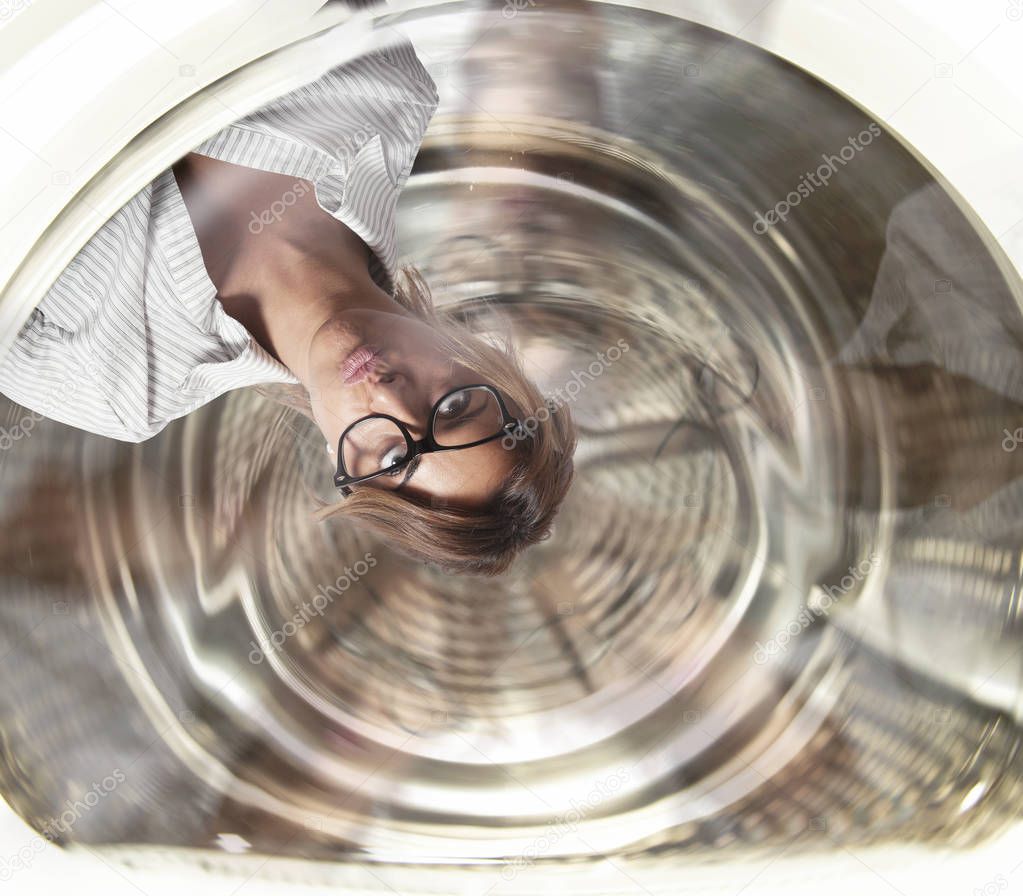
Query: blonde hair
[(482, 541)]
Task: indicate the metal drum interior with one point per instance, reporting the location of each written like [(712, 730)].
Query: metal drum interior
[(780, 607)]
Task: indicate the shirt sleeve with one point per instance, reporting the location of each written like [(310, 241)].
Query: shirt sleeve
[(108, 345), (47, 373)]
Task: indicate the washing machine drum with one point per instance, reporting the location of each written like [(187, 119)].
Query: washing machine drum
[(778, 602)]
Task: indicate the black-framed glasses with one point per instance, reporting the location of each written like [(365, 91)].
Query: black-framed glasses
[(381, 445)]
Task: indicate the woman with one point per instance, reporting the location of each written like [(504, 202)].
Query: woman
[(268, 256)]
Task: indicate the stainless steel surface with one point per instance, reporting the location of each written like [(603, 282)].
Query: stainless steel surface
[(781, 605)]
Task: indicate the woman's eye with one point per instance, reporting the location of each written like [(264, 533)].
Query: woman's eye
[(454, 406), (392, 457)]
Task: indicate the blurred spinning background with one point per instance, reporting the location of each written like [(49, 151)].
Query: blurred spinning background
[(780, 608)]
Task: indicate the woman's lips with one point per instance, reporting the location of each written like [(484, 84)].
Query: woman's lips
[(358, 365)]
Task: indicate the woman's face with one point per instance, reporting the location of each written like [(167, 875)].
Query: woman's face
[(377, 362)]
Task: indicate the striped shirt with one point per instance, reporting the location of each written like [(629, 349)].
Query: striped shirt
[(132, 334)]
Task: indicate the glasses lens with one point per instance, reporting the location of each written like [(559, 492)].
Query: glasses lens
[(371, 446), (467, 416)]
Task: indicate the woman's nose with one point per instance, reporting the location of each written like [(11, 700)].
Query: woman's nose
[(395, 395)]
